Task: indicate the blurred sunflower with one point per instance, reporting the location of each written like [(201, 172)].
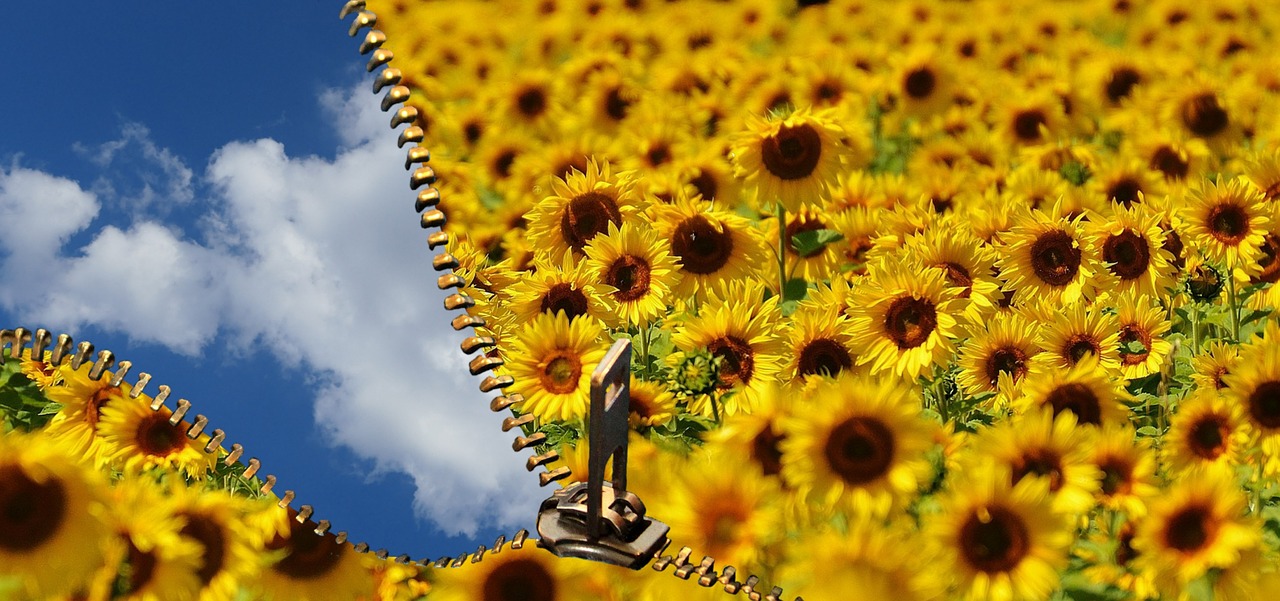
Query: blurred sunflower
[(1128, 469), (159, 563), (310, 566), (1208, 431), (1210, 366), (791, 160), (52, 517), (137, 438), (1050, 257), (875, 562), (524, 574), (997, 539), (41, 371), (1038, 445), (583, 204), (862, 448), (231, 536), (997, 356), (1263, 172), (638, 267), (551, 360), (1255, 387), (904, 320), (651, 404), (1226, 220), (757, 435)]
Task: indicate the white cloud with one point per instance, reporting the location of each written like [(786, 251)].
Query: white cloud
[(320, 261)]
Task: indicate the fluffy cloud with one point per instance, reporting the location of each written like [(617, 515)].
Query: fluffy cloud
[(322, 262)]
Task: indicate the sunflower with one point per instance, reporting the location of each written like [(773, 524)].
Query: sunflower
[(51, 517), (1072, 333), (1227, 220), (1255, 387), (810, 265), (1128, 469), (821, 345), (740, 328), (1267, 270), (903, 320), (999, 539), (1035, 188), (231, 532), (1132, 248), (863, 448), (1213, 363), (1205, 110), (43, 372), (875, 562), (1049, 256), (1092, 394), (1175, 155), (148, 548), (858, 228), (1031, 117), (996, 358), (583, 204), (1038, 445), (1109, 557), (758, 435), (1193, 527), (1208, 431), (76, 424), (651, 404), (792, 160), (137, 438), (638, 267), (967, 263), (1263, 172), (921, 84), (1142, 324), (712, 245), (524, 574), (569, 287), (312, 566), (551, 360)]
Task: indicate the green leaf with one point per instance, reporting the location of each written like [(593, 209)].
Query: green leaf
[(1133, 347), (1148, 431), (1200, 589), (811, 242), (795, 289)]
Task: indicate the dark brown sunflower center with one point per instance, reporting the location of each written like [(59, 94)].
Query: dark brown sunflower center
[(1173, 244), (995, 540), (500, 165), (1077, 346), (1127, 254), (1078, 399), (99, 399), (793, 152), (1125, 552), (307, 555), (615, 104), (630, 275), (1117, 476), (586, 215), (1208, 437), (737, 360), (658, 154), (1039, 462), (920, 83), (208, 532), (701, 247), (1204, 116), (1190, 529), (957, 276), (823, 356), (142, 566), (1027, 124), (1121, 83), (766, 450), (561, 374), (1124, 191), (564, 297), (860, 449), (1134, 333), (30, 512), (156, 437), (1170, 162), (1270, 266), (1007, 360), (1055, 258), (531, 102), (1228, 223), (705, 184), (642, 404), (520, 580), (909, 321), (1264, 404)]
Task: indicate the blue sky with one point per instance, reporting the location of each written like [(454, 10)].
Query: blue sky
[(209, 191)]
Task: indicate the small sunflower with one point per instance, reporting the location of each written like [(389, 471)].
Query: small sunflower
[(996, 358), (1193, 527), (1227, 221), (904, 320), (568, 287), (1094, 395), (811, 265), (1072, 333), (583, 204), (1131, 244), (1143, 348), (1213, 364), (310, 566), (863, 447), (758, 435), (1128, 469), (42, 371), (551, 360), (998, 539), (651, 404), (1038, 445), (51, 517), (1050, 257), (524, 574), (1205, 110), (76, 423), (1208, 431), (230, 535), (712, 245), (137, 438), (638, 268), (791, 160), (967, 263), (821, 345)]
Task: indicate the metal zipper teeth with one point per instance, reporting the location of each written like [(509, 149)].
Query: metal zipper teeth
[(432, 217), (64, 350)]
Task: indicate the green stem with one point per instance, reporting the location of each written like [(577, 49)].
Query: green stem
[(1235, 308), (1195, 329), (644, 352), (782, 249)]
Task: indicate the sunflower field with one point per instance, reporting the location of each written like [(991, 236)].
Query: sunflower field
[(930, 299)]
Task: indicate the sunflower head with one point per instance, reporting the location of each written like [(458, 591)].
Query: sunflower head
[(792, 160)]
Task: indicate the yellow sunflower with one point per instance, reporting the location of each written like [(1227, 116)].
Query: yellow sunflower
[(1038, 445), (821, 345), (875, 562), (1131, 244), (1110, 558), (1193, 527), (921, 83), (76, 424), (43, 372), (967, 263), (524, 574), (1213, 363), (1142, 324), (791, 160), (712, 245), (1094, 395), (311, 567), (1207, 432), (651, 404), (1074, 332), (231, 536), (137, 438), (1049, 256), (148, 549), (1128, 469), (1255, 387), (639, 269), (1226, 220), (813, 264), (757, 436), (1263, 172), (997, 539), (904, 320), (1267, 271), (997, 356), (568, 287), (551, 360), (52, 517), (861, 447), (582, 205)]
